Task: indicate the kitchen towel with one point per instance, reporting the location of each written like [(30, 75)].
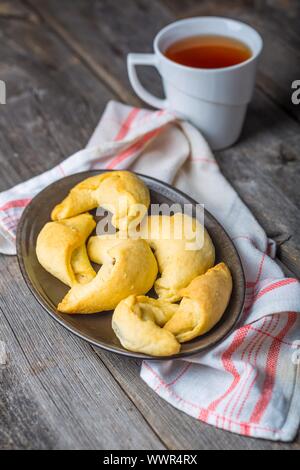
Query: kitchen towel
[(249, 383)]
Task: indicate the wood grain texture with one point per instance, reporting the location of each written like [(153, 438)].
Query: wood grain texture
[(61, 66), (46, 90), (55, 392), (103, 32), (176, 429), (267, 155)]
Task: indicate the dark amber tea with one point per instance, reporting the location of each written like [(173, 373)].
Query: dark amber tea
[(208, 52)]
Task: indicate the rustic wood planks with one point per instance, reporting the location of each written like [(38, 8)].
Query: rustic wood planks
[(61, 66)]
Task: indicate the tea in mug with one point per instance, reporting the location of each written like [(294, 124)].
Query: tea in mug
[(208, 52)]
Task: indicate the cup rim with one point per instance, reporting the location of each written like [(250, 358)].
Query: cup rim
[(174, 24)]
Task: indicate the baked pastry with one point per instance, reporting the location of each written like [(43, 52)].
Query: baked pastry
[(99, 245), (203, 304), (181, 256), (169, 238), (81, 265), (129, 268), (140, 321), (61, 249), (137, 322), (121, 192), (157, 310)]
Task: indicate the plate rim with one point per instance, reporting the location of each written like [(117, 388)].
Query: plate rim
[(99, 344)]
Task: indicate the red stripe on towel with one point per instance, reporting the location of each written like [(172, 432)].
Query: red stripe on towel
[(229, 366), (132, 149), (271, 368), (125, 126), (15, 203)]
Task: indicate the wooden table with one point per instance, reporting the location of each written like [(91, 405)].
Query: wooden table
[(62, 61)]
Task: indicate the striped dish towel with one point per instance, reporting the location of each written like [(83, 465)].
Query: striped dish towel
[(248, 384)]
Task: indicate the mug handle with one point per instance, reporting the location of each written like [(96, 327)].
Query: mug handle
[(143, 59)]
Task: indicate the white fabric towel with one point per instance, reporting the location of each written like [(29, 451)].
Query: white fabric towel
[(249, 383)]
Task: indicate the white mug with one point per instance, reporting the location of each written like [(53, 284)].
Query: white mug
[(214, 100)]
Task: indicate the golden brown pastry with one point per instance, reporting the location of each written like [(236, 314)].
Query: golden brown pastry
[(121, 192), (137, 323), (157, 310), (99, 245), (83, 270), (129, 268), (177, 263), (61, 250), (203, 304)]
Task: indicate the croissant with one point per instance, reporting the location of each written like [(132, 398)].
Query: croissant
[(121, 192), (203, 304), (178, 264), (140, 321), (137, 322), (99, 245), (128, 268), (61, 249), (81, 265)]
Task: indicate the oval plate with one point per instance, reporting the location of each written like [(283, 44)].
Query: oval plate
[(96, 328)]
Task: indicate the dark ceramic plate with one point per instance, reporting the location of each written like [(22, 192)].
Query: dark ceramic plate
[(96, 328)]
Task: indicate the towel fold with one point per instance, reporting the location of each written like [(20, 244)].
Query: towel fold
[(249, 383)]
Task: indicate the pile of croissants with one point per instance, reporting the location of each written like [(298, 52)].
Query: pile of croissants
[(192, 292)]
